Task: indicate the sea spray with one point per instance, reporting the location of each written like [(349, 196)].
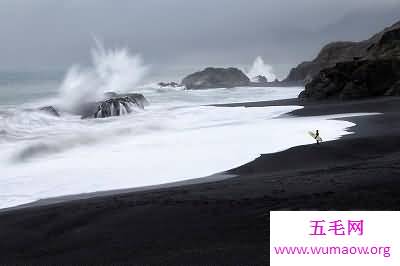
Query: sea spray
[(44, 156), (111, 70), (259, 68)]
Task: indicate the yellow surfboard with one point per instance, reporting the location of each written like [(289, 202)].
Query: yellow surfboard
[(312, 134)]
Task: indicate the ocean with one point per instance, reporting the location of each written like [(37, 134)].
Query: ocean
[(179, 136)]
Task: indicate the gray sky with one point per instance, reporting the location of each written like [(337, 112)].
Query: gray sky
[(179, 36)]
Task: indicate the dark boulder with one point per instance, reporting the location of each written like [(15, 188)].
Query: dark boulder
[(216, 78), (137, 97), (168, 84), (50, 110), (355, 80), (118, 105), (260, 79)]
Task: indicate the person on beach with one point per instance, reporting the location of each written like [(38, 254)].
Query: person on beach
[(317, 136)]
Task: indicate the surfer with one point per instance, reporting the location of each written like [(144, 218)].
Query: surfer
[(317, 138)]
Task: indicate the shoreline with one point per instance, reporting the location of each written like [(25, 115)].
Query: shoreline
[(84, 196), (223, 221), (206, 179)]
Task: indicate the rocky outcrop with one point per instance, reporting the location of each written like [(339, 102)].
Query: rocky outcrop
[(50, 110), (216, 78), (382, 45), (394, 90), (329, 56), (355, 80), (373, 70), (113, 104), (168, 84), (260, 79), (387, 46), (117, 105)]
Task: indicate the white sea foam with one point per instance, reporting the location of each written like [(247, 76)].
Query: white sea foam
[(111, 70), (259, 68), (166, 143), (178, 137)]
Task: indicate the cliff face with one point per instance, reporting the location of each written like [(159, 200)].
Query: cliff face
[(355, 80), (356, 70), (382, 45), (387, 46)]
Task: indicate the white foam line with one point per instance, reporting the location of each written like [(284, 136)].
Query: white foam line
[(185, 144), (346, 115)]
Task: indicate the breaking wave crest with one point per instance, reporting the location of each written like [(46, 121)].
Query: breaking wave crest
[(259, 68), (111, 70)]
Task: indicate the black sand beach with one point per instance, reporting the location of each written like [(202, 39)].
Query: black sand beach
[(223, 222)]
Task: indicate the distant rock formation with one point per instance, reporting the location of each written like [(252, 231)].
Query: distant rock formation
[(355, 80), (382, 45), (216, 78), (113, 105), (260, 79), (168, 84)]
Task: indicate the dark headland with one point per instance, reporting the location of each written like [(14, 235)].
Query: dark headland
[(226, 222)]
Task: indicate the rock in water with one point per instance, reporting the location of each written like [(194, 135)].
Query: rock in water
[(114, 107), (168, 84), (216, 78), (260, 79), (140, 100), (355, 80), (117, 105), (50, 110)]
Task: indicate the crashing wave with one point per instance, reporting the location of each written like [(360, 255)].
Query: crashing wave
[(113, 105)]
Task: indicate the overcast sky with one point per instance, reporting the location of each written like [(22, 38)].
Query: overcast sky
[(177, 36)]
